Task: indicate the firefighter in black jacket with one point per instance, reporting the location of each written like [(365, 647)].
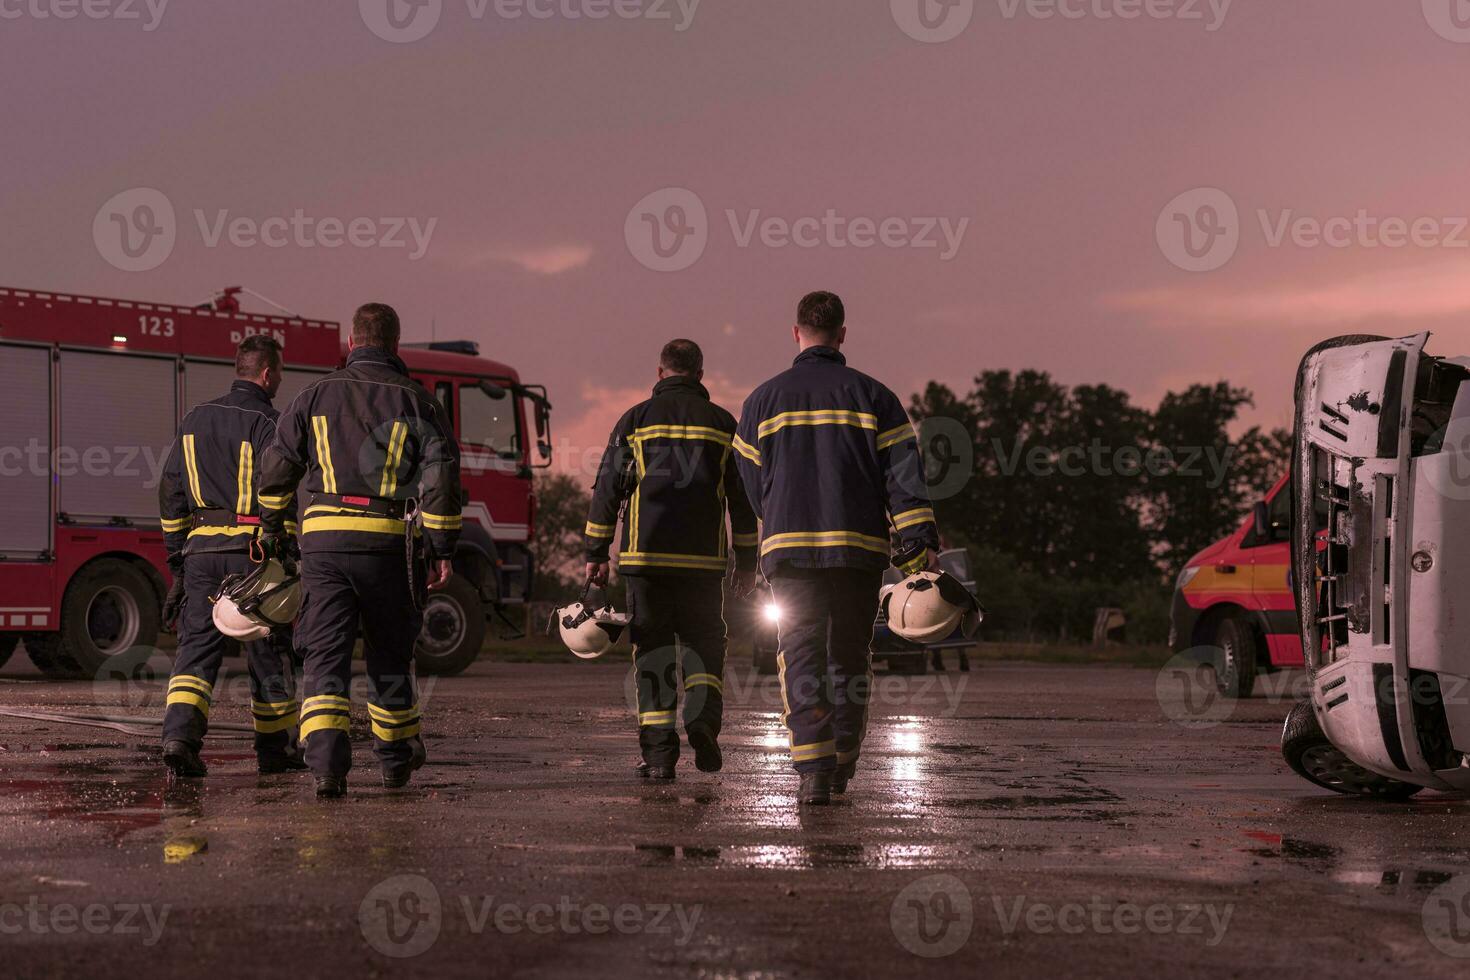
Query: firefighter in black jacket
[(669, 463), (831, 463), (208, 505), (379, 459)]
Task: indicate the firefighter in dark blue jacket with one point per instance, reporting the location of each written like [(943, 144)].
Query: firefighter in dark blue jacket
[(831, 465), (210, 512), (668, 467), (377, 458)]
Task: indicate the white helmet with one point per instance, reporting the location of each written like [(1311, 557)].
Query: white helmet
[(590, 632), (251, 604), (928, 606)]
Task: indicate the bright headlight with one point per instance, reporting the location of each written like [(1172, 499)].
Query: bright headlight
[(772, 612), (1186, 576)]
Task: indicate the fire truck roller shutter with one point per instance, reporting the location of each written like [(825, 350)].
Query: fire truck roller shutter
[(110, 456), (25, 447)]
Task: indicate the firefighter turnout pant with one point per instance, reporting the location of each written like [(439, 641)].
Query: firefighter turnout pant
[(191, 688), (825, 660), (678, 625), (345, 591)]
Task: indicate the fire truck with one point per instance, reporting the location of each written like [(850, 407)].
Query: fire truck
[(91, 392)]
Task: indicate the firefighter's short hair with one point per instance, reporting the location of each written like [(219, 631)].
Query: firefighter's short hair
[(255, 354), (376, 325), (681, 357), (820, 315)]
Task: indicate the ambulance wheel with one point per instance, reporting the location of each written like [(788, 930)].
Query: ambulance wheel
[(1311, 756), (454, 628), (109, 624), (8, 643), (1236, 675)]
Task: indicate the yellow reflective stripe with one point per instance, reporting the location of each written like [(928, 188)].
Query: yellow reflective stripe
[(680, 432), (831, 416), (324, 453), (395, 734), (656, 719), (437, 522), (272, 725), (245, 479), (704, 680), (824, 539), (917, 564), (672, 561), (813, 750), (190, 682), (600, 530), (292, 527), (845, 757), (273, 502), (323, 722), (326, 701), (919, 515), (389, 484), (747, 540), (372, 525), (895, 435), (747, 450), (385, 714), (191, 464), (172, 527), (228, 532), (272, 707), (182, 696)]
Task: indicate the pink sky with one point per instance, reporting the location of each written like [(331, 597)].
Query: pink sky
[(527, 141)]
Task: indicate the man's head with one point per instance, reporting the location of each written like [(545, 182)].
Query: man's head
[(820, 321), (258, 359), (681, 357), (375, 325)]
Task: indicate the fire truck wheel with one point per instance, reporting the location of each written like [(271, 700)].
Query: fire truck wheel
[(8, 643), (1311, 756), (454, 628), (1236, 677), (109, 624)]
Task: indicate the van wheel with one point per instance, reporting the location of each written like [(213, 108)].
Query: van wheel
[(8, 643), (454, 628), (1311, 756), (109, 624), (1236, 676)]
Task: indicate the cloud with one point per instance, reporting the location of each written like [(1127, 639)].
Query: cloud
[(548, 261)]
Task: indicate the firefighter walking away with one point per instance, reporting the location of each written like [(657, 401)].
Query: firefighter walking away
[(669, 473), (381, 470), (209, 506), (831, 464)]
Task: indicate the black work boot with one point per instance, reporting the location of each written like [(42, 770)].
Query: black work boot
[(660, 774), (183, 759), (275, 763), (816, 789), (840, 778), (331, 787), (707, 756), (397, 776)]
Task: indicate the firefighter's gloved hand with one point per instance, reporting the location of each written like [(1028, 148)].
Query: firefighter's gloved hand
[(441, 570), (282, 547), (173, 603), (597, 572), (743, 585)]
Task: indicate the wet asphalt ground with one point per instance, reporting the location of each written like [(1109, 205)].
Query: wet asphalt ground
[(1019, 820)]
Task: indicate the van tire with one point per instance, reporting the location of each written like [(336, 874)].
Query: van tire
[(453, 630), (110, 618), (8, 643), (1313, 757), (1235, 673)]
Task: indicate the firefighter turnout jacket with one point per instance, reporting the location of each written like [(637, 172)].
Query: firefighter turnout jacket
[(367, 440), (208, 497), (831, 464), (677, 447)]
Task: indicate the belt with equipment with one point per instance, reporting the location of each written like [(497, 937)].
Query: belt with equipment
[(397, 515), (212, 521)]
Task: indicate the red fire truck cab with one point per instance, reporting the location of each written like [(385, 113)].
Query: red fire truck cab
[(91, 391)]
